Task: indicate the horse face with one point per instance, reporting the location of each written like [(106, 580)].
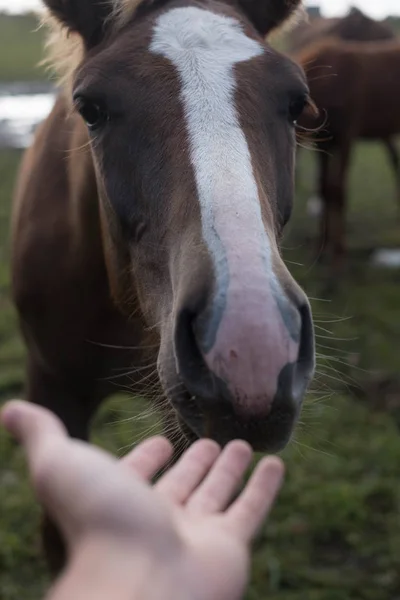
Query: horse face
[(191, 119)]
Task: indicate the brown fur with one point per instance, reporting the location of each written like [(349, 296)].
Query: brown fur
[(355, 26), (356, 87), (65, 50), (305, 43), (307, 32)]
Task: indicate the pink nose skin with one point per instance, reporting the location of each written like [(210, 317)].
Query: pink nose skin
[(252, 346), (257, 330)]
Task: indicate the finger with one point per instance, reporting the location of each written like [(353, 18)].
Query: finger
[(41, 434), (31, 425), (148, 457), (73, 480), (184, 477), (223, 480), (248, 512)]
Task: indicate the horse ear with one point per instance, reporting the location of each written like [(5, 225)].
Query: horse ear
[(88, 18), (266, 15)]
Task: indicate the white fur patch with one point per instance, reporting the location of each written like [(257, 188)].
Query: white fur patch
[(204, 47), (246, 342)]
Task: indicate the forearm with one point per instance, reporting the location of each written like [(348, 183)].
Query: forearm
[(100, 571)]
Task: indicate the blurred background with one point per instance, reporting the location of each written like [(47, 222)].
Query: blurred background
[(335, 533)]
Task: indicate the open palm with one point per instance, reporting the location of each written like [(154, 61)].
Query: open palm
[(184, 523)]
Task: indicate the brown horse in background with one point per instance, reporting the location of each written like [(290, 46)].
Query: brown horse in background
[(147, 221), (355, 26), (356, 86)]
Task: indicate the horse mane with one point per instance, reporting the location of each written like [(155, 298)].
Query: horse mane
[(297, 19), (64, 49)]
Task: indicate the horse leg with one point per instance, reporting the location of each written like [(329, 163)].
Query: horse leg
[(395, 161), (323, 240), (75, 410), (51, 391), (337, 205)]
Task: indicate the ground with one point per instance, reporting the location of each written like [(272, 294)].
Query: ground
[(335, 532)]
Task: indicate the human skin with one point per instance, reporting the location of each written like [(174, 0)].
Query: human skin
[(128, 539)]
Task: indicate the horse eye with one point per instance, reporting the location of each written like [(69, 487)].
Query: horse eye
[(92, 113), (296, 107)]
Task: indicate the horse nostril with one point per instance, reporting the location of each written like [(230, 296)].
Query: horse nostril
[(248, 366), (190, 362), (198, 378), (306, 360), (295, 377)]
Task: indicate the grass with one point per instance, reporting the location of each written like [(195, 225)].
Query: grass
[(20, 49)]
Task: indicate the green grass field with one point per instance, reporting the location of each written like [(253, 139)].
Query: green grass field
[(20, 49), (335, 532)]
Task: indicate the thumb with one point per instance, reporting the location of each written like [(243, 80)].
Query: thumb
[(33, 426)]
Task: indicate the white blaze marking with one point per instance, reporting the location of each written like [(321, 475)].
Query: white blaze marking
[(204, 47)]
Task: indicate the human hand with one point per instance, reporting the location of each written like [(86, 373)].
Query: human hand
[(176, 539)]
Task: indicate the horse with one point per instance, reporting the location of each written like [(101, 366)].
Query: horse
[(354, 26), (147, 220), (307, 32), (356, 87), (357, 27)]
